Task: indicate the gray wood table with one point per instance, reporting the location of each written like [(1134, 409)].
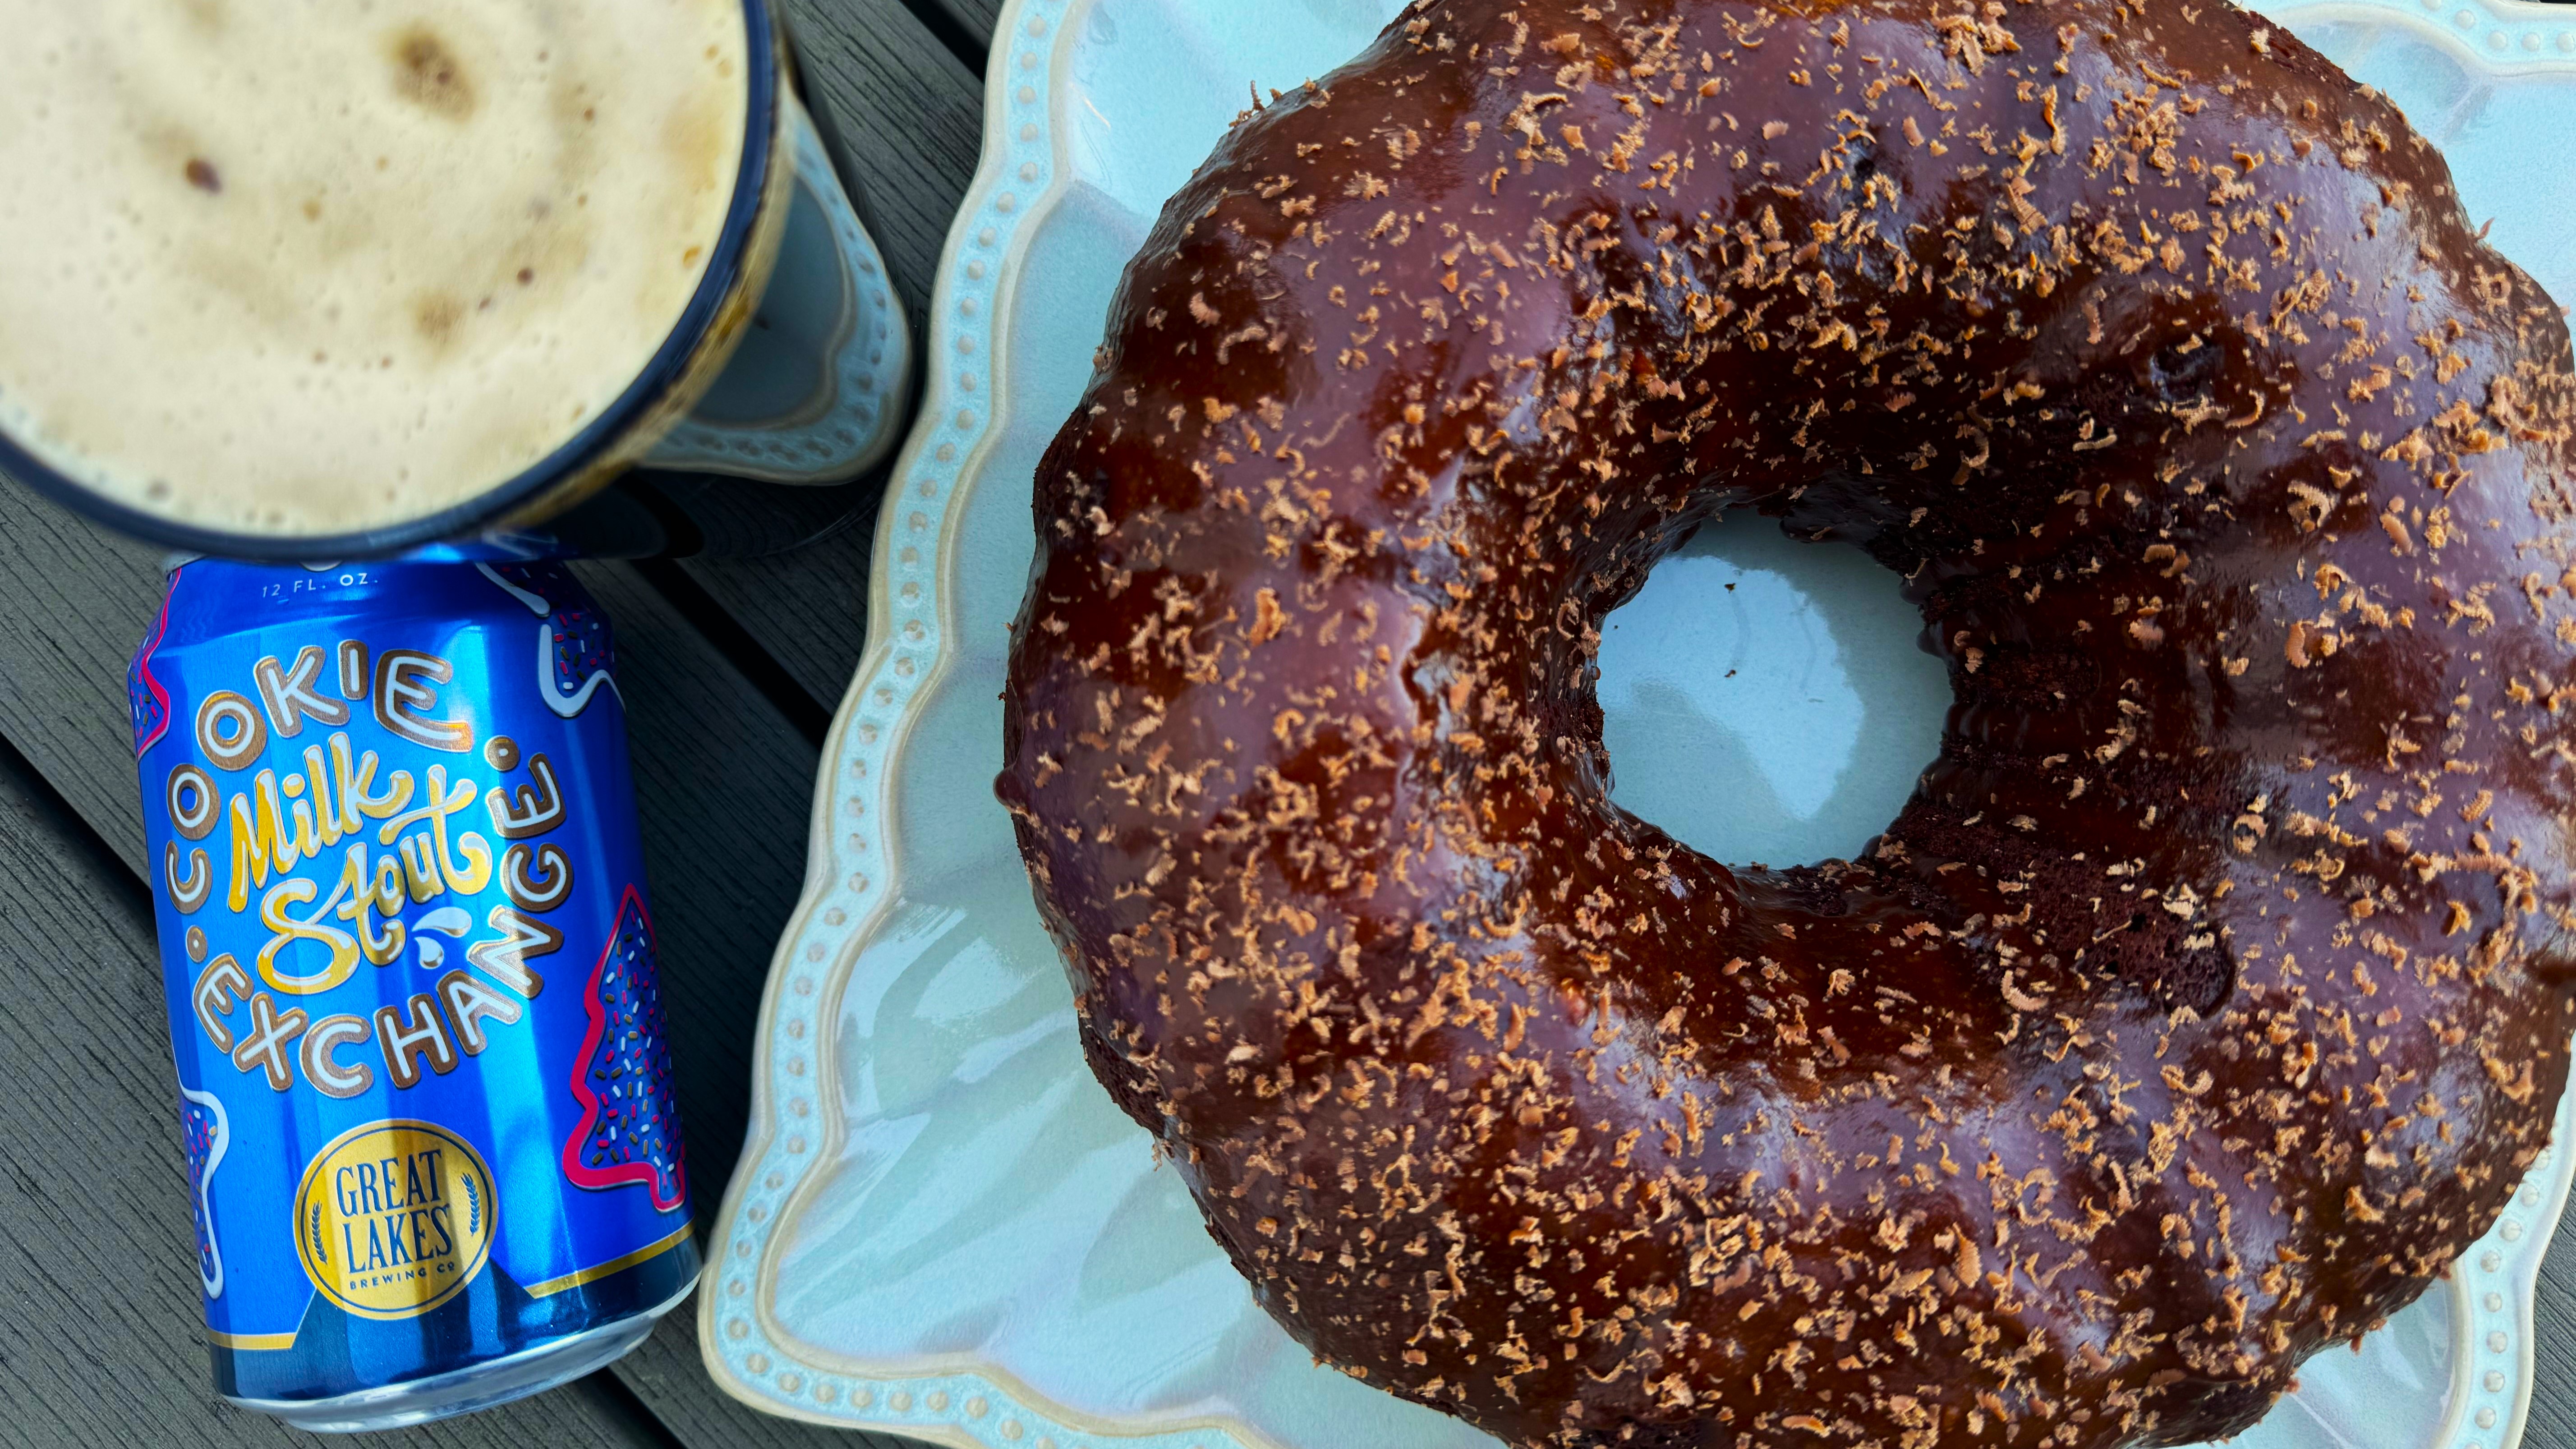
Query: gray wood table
[(733, 667)]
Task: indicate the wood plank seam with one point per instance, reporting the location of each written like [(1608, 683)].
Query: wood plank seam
[(609, 1396), (912, 114), (618, 1402), (98, 1343), (86, 736), (921, 102), (958, 29), (741, 648), (106, 866), (977, 16)]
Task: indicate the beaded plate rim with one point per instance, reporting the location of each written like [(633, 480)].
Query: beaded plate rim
[(2520, 35), (962, 1400), (851, 874)]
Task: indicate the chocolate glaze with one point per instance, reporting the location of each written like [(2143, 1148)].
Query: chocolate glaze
[(2212, 992)]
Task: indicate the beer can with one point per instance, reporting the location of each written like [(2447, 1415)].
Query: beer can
[(433, 1154)]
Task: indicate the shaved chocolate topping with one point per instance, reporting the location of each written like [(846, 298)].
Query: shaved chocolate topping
[(2211, 994)]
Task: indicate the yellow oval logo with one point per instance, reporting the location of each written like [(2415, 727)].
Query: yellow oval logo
[(394, 1218)]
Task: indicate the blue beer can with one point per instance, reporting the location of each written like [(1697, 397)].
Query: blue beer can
[(433, 1154)]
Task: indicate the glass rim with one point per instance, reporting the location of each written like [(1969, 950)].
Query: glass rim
[(762, 119)]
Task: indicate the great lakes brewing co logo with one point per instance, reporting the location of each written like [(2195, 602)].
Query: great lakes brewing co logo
[(394, 1218)]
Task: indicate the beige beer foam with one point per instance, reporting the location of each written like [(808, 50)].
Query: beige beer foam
[(306, 266)]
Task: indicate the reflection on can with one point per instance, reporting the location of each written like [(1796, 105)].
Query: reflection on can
[(434, 1158)]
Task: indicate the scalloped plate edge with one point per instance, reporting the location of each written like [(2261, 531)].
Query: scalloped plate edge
[(2521, 35), (851, 876), (964, 1401)]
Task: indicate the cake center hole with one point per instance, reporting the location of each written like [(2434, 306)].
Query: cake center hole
[(1766, 701)]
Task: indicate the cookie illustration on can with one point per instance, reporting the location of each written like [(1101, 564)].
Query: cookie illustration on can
[(630, 1127)]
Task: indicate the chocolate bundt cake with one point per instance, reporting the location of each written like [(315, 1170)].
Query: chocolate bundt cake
[(2211, 993)]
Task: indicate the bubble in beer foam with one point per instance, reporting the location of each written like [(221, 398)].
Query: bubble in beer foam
[(310, 266)]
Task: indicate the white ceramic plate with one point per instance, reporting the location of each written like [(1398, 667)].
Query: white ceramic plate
[(941, 1226)]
